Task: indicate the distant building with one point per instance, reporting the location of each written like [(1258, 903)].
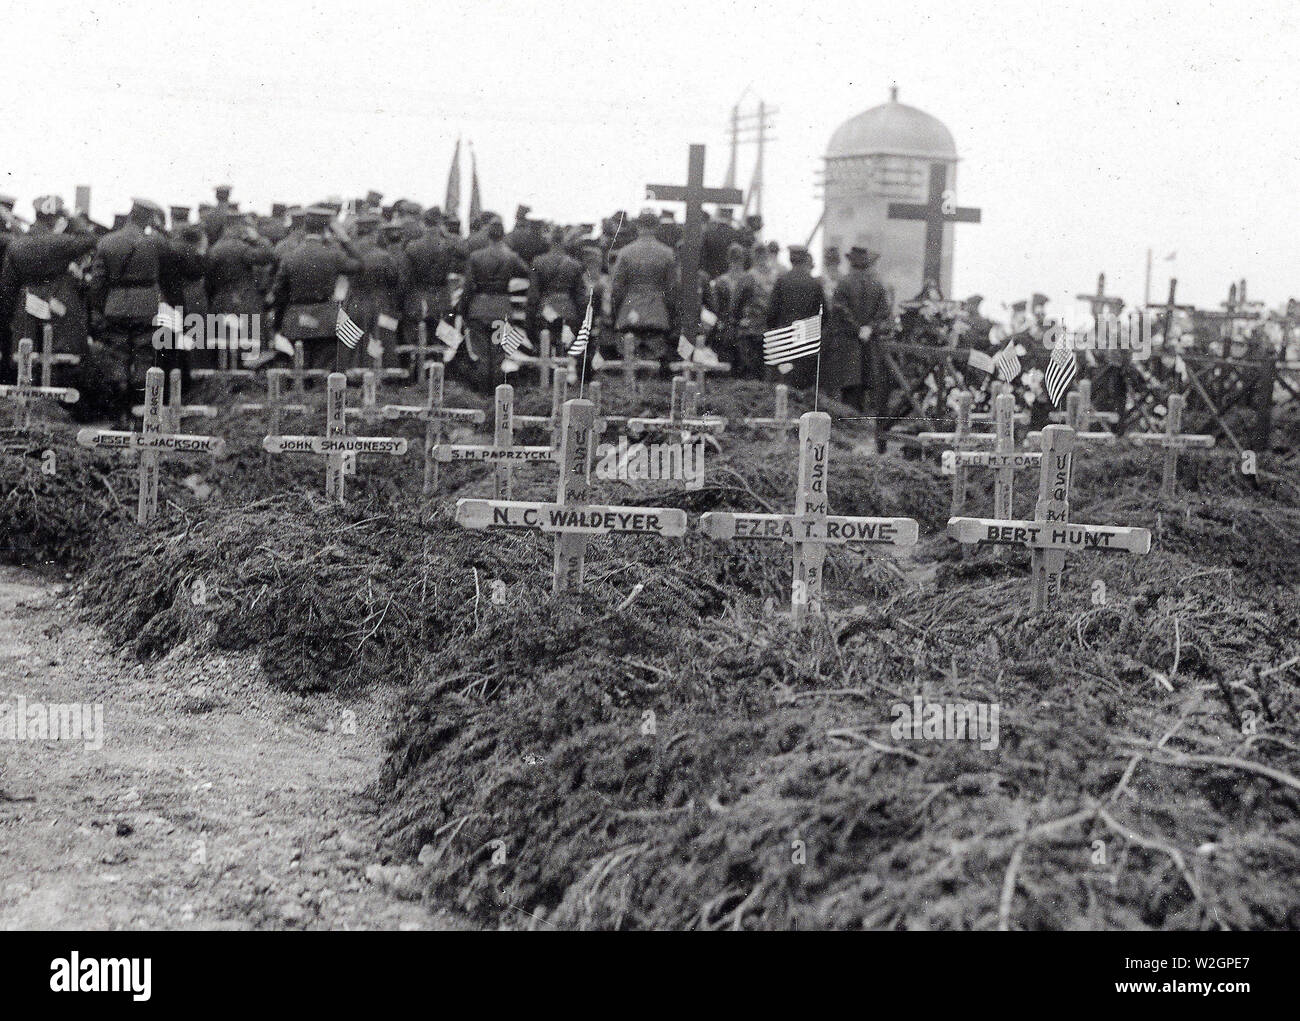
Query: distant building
[(883, 155)]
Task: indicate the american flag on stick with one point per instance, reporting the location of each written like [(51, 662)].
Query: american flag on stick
[(579, 345), (801, 338), (347, 331), (508, 337), (1061, 371), (1007, 362)]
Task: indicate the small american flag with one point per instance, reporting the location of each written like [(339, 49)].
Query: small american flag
[(1061, 371), (347, 331), (508, 337), (1008, 364), (801, 338), (579, 345)]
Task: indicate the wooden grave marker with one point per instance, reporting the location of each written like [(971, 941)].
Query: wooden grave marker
[(336, 444), (275, 405), (436, 418), (682, 415), (175, 411), (375, 352), (1173, 440), (48, 358), (961, 438), (696, 371), (1051, 534), (782, 421), (1004, 460), (630, 365), (559, 394), (1078, 416), (811, 527), (503, 453), (595, 394), (300, 373), (569, 518), (24, 393), (227, 367), (151, 441), (1087, 414)]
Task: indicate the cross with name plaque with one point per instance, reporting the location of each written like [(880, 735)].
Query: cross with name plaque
[(569, 518), (682, 415), (811, 527), (1004, 460), (436, 418), (175, 411), (24, 393), (503, 453)]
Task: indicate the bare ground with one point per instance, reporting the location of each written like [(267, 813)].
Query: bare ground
[(216, 801)]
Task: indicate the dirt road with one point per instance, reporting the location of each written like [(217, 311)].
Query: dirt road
[(215, 800)]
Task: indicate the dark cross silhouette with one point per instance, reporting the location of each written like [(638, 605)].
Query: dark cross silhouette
[(938, 209), (694, 194), (1101, 302)]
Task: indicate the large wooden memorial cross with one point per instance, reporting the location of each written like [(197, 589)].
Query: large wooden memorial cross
[(175, 411), (150, 442), (1051, 534), (1004, 460), (436, 418), (1173, 440), (694, 194), (811, 527), (336, 444), (681, 413), (24, 393), (938, 209), (569, 518), (782, 421), (503, 453), (1102, 304), (559, 394), (630, 365)]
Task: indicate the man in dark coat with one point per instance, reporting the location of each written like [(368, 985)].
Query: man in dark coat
[(432, 258), (38, 263), (643, 287), (484, 302), (795, 295), (556, 283), (851, 363), (232, 274), (718, 234), (305, 283)]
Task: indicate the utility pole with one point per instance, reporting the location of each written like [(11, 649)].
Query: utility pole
[(744, 129)]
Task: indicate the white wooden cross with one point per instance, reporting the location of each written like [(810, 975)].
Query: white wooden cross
[(811, 527), (559, 394), (503, 453), (420, 349), (603, 421), (336, 444), (630, 364), (24, 392), (48, 358), (175, 411), (1078, 416), (1173, 440), (275, 404), (545, 361), (226, 361), (569, 518), (150, 442), (682, 414), (435, 418), (697, 371), (300, 373), (1087, 414), (1051, 534), (989, 417), (781, 419), (375, 352), (1004, 459), (960, 438)]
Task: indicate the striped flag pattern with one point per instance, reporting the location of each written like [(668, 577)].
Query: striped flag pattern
[(801, 338), (347, 331), (1007, 362), (1061, 371), (508, 337), (579, 345)]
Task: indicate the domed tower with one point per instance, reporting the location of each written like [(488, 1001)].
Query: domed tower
[(887, 156)]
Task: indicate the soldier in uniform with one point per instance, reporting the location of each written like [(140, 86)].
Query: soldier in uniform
[(725, 291), (717, 236), (556, 282), (796, 295), (234, 265), (749, 310), (830, 271), (297, 230), (382, 283), (213, 218), (38, 263), (850, 360), (643, 286), (485, 301), (302, 295), (432, 257), (125, 291)]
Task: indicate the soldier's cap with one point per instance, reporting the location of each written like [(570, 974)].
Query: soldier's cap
[(7, 201), (319, 213), (180, 213), (48, 205), (295, 212), (393, 230), (1019, 306), (279, 208), (725, 212), (366, 220), (147, 205), (374, 197), (798, 252), (333, 203), (223, 188), (859, 256), (974, 299), (1040, 299), (647, 218), (831, 252)]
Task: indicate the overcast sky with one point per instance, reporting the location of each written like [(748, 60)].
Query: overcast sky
[(1088, 132)]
